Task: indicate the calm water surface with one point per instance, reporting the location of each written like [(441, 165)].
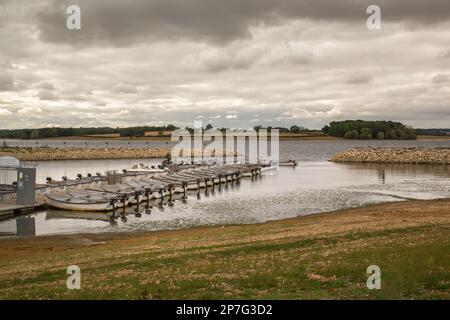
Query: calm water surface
[(316, 185)]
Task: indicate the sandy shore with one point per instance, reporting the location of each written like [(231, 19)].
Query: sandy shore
[(317, 256), (439, 156), (43, 154)]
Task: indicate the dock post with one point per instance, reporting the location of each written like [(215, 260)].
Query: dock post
[(113, 202), (124, 201), (137, 212), (148, 192), (171, 188)]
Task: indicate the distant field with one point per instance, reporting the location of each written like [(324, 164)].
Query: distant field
[(100, 137), (323, 256), (111, 135), (166, 136), (433, 137)]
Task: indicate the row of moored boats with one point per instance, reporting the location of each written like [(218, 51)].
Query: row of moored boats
[(157, 185)]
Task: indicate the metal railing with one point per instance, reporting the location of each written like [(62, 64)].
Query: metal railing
[(8, 227), (8, 176)]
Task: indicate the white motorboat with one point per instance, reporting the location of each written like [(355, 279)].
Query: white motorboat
[(290, 163), (269, 169), (140, 167), (67, 202)]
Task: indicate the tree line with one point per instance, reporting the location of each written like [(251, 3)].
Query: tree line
[(43, 133), (433, 132), (366, 130), (350, 129)]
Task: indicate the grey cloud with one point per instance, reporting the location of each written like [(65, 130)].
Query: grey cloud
[(47, 95), (6, 82), (440, 78), (119, 22), (124, 88), (46, 86), (445, 54), (255, 58), (359, 78)]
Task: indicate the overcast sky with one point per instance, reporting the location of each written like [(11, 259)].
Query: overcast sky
[(235, 63)]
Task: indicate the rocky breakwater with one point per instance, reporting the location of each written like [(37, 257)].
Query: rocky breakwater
[(395, 155), (42, 154)]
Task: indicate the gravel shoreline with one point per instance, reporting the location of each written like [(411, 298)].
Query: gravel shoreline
[(45, 154), (413, 155)]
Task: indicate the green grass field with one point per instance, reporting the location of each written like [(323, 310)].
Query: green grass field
[(280, 260)]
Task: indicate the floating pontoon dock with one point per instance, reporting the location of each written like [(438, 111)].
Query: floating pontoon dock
[(115, 191)]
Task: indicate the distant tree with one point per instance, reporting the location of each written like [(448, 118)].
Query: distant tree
[(365, 134), (295, 129), (352, 134), (34, 134), (209, 126), (432, 132), (389, 134), (410, 133), (391, 129), (380, 135), (400, 134), (326, 129)]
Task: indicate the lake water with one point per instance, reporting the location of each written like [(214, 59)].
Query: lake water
[(306, 150), (316, 185)]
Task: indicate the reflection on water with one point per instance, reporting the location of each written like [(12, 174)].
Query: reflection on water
[(70, 168), (310, 188)]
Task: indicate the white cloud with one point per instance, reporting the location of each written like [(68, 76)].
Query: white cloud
[(5, 112)]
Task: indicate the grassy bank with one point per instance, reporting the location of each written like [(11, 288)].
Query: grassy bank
[(322, 256)]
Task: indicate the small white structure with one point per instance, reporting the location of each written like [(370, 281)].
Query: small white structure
[(8, 170), (9, 162), (140, 167)]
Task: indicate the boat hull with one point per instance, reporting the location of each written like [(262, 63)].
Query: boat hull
[(268, 170), (87, 206)]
